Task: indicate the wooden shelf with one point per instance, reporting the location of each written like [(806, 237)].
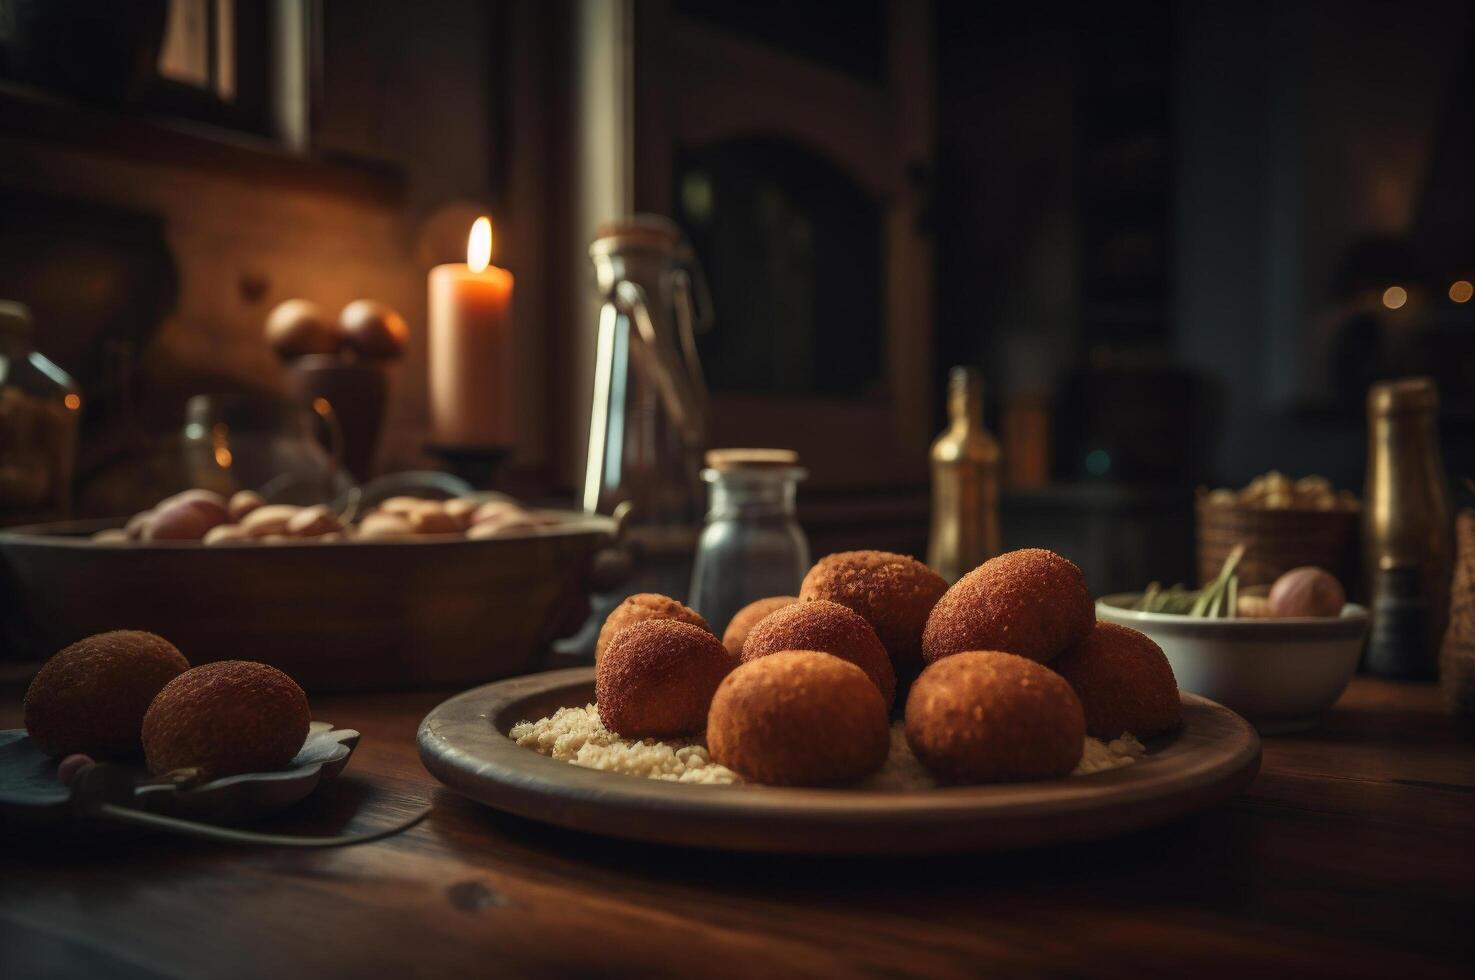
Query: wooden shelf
[(30, 114)]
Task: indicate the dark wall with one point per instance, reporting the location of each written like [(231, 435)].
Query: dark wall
[(1007, 215), (1306, 164), (1309, 148)]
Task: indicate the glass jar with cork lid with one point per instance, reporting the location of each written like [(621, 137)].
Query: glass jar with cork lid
[(752, 546)]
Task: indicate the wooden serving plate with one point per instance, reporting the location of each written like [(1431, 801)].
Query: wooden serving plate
[(464, 744)]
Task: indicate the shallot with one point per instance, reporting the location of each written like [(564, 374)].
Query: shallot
[(1307, 591)]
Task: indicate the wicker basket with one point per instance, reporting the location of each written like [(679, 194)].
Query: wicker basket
[(1276, 541), (1457, 657)]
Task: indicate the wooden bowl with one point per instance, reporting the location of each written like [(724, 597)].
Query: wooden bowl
[(336, 616)]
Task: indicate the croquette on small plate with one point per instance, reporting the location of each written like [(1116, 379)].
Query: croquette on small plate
[(91, 697), (225, 718)]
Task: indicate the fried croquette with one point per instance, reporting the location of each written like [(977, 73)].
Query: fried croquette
[(829, 628), (749, 616), (989, 717), (225, 718), (1124, 682), (91, 697), (798, 718), (656, 679), (895, 593), (1033, 603), (641, 607)]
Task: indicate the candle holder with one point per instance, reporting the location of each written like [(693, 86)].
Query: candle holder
[(477, 465)]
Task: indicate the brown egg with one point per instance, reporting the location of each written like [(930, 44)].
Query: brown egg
[(310, 522), (226, 534), (385, 526), (507, 522), (404, 506), (433, 520), (460, 510), (197, 493), (271, 519), (493, 510), (243, 502), (183, 519), (298, 326), (136, 524), (373, 329)]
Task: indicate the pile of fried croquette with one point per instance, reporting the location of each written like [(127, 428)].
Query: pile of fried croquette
[(999, 678), (125, 694)]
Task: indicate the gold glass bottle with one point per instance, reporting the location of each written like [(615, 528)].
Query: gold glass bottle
[(965, 483), (1406, 529)]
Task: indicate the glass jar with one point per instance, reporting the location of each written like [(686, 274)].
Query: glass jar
[(752, 546), (264, 443), (39, 410)]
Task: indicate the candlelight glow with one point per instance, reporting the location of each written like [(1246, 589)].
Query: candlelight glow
[(73, 401), (1394, 297), (220, 437), (479, 245), (1461, 290)]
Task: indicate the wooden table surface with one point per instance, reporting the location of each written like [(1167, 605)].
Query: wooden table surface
[(1352, 854)]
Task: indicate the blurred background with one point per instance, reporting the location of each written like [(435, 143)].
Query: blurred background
[(1178, 240)]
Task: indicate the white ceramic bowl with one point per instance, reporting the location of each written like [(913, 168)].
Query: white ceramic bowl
[(1281, 674)]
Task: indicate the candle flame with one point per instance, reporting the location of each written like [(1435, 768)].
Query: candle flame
[(479, 245)]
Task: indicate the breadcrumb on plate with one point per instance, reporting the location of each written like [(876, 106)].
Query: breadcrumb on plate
[(577, 736)]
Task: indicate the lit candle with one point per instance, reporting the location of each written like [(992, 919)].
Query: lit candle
[(470, 337)]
